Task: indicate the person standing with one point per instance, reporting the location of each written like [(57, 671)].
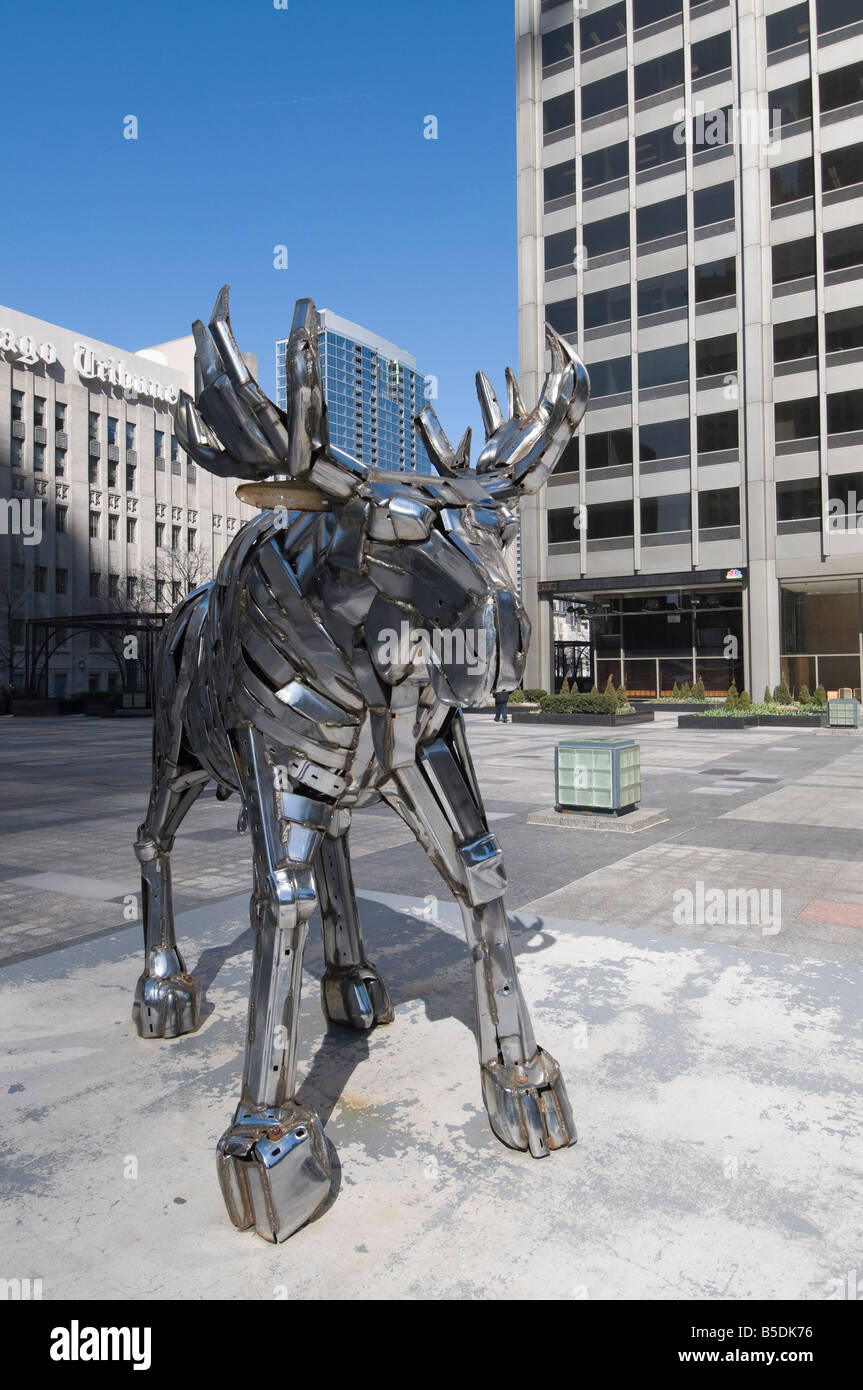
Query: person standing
[(501, 698)]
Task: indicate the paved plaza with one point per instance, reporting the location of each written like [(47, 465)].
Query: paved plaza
[(712, 1063)]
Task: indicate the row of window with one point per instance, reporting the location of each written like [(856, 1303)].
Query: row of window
[(800, 419), (666, 439), (843, 329), (39, 411), (792, 25), (658, 220), (658, 515), (842, 87), (839, 169), (656, 295)]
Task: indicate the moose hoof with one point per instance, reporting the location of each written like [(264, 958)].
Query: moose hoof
[(274, 1170), (355, 995), (167, 1005), (528, 1106)]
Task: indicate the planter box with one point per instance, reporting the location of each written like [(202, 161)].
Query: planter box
[(602, 721), (489, 709), (791, 721), (752, 721), (675, 706), (28, 708)]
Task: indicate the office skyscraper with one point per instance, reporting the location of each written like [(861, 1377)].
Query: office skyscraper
[(373, 392), (691, 218)]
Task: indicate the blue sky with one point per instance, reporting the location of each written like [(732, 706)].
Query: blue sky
[(261, 127)]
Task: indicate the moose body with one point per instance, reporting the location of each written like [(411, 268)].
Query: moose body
[(322, 670)]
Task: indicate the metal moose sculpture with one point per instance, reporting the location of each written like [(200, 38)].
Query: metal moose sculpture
[(282, 680)]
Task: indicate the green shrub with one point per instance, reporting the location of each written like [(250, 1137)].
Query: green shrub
[(622, 697), (686, 691), (745, 700), (578, 704), (768, 698), (564, 689), (732, 699), (782, 695), (534, 692), (698, 692), (805, 697), (517, 697), (821, 696), (594, 689)]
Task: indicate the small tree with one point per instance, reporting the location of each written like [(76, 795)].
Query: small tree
[(782, 695), (610, 688), (686, 691), (745, 700), (805, 697), (594, 689), (675, 691), (698, 691), (820, 696), (622, 697), (732, 699), (564, 689), (768, 698)]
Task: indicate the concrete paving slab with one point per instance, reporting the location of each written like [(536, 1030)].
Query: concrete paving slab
[(643, 818), (715, 1093)]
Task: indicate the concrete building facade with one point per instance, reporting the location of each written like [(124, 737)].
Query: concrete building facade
[(373, 392), (691, 218), (100, 509)]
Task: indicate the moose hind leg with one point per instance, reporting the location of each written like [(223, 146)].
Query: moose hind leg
[(167, 998), (522, 1087), (352, 991), (274, 1167)]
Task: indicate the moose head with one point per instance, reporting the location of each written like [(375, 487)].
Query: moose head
[(450, 603)]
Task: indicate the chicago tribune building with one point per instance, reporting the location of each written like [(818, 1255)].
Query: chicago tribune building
[(691, 219), (101, 513)]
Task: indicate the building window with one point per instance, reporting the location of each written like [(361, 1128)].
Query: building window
[(843, 248), (796, 419), (17, 405), (95, 583), (176, 591), (113, 586), (17, 453), (113, 422), (60, 517), (793, 260), (798, 500), (646, 12), (664, 365), (844, 412), (671, 513), (842, 168), (597, 29), (191, 538), (716, 356), (175, 447), (94, 525), (793, 103), (160, 534), (93, 424), (715, 280), (844, 329), (711, 205), (559, 181), (93, 470), (568, 462), (560, 250), (663, 292), (59, 462), (606, 306), (130, 477), (718, 431), (787, 27), (607, 520), (719, 507), (40, 577), (609, 234), (112, 474), (562, 524), (130, 435), (711, 55), (131, 528), (847, 489), (563, 315), (131, 586), (660, 219), (609, 378), (558, 45), (605, 95), (667, 439), (61, 579), (38, 458), (159, 444), (160, 594), (175, 537), (835, 14), (113, 526), (558, 113), (788, 182), (794, 340), (843, 87), (609, 450), (658, 74), (59, 417), (601, 166), (658, 147), (39, 412)]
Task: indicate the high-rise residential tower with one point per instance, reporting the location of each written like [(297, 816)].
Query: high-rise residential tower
[(373, 392), (691, 218)]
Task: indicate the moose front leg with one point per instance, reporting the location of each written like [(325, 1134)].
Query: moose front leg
[(274, 1167), (352, 991), (523, 1090)]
